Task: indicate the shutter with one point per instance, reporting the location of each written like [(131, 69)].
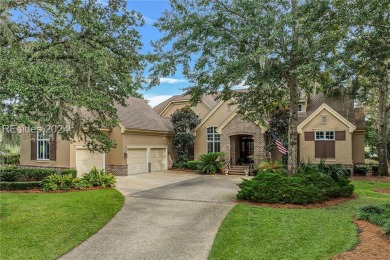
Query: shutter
[(319, 149), (33, 148), (340, 135), (53, 148), (309, 136)]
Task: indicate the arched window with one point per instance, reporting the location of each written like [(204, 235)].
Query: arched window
[(213, 140)]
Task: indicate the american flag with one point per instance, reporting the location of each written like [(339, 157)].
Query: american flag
[(279, 144)]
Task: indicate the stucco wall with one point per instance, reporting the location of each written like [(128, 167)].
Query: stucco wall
[(343, 148), (215, 119), (358, 147), (62, 154)]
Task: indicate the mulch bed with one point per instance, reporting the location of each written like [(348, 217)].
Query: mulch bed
[(371, 178), (327, 203), (373, 244), (385, 191), (53, 191)]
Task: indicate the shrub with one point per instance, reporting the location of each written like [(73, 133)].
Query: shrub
[(10, 159), (276, 187), (334, 171), (70, 171), (99, 178), (374, 169), (193, 165), (25, 174), (209, 164), (58, 182), (361, 170), (270, 165), (377, 214), (26, 185), (180, 165)]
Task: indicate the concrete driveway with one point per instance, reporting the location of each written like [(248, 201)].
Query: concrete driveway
[(166, 215)]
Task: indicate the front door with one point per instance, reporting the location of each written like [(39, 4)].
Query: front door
[(246, 149)]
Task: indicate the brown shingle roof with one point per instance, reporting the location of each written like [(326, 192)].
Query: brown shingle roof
[(209, 99), (139, 115), (341, 103)]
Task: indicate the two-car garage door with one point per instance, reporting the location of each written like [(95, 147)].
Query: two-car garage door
[(140, 159)]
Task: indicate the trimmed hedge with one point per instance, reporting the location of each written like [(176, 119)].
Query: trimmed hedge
[(70, 171), (10, 159), (25, 174), (276, 187), (26, 185), (193, 165)]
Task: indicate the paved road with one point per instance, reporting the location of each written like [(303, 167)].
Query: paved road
[(165, 216)]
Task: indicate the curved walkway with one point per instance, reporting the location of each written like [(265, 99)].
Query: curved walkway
[(165, 216)]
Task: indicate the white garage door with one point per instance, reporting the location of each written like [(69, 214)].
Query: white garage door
[(158, 159), (85, 161), (136, 161)]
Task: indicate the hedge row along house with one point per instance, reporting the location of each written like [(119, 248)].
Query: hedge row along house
[(330, 128)]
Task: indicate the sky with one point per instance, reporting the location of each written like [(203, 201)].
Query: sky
[(151, 11)]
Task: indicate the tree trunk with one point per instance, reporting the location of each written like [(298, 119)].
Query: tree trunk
[(382, 130), (292, 164)]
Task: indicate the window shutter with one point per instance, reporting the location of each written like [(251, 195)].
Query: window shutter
[(53, 148), (33, 148), (340, 135), (309, 136)]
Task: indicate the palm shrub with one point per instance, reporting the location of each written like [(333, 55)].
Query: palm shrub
[(334, 171), (99, 178), (270, 165), (209, 163)]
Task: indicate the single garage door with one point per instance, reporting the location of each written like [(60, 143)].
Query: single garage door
[(158, 159), (85, 161), (136, 161)]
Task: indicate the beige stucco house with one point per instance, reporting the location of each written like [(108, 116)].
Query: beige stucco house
[(329, 127), (143, 145)]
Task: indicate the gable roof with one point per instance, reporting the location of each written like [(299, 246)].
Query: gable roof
[(139, 115), (342, 104), (325, 106), (209, 100)]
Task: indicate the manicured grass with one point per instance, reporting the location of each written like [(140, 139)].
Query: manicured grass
[(250, 232), (45, 226)]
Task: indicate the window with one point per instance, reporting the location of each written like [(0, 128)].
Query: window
[(324, 135), (43, 146), (300, 108), (213, 140)]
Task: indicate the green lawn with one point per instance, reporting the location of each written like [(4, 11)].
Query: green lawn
[(45, 226), (250, 232)]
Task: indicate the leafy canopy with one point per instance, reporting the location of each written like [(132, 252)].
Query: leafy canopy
[(67, 63)]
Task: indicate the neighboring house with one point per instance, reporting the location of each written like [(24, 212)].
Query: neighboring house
[(143, 144), (329, 127)]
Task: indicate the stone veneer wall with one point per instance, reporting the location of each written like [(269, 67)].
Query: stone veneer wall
[(238, 126), (117, 170)]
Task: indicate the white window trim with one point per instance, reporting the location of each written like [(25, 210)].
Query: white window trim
[(45, 139), (324, 133), (212, 141)]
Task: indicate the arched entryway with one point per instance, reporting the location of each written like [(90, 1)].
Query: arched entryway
[(241, 149)]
